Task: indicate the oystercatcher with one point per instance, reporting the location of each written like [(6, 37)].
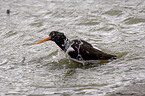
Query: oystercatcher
[(78, 50)]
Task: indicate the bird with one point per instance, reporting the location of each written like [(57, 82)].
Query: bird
[(77, 49)]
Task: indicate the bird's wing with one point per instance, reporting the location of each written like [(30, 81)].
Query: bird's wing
[(85, 51)]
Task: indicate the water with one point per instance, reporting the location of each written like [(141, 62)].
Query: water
[(115, 26)]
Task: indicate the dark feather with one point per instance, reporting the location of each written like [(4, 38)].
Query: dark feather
[(78, 49), (85, 51)]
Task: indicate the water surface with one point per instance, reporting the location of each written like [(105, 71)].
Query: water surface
[(115, 26)]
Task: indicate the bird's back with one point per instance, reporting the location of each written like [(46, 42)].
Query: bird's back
[(85, 51)]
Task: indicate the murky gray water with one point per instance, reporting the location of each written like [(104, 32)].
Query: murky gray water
[(115, 26)]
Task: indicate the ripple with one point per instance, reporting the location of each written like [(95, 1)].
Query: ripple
[(89, 23), (37, 24), (3, 61), (113, 12), (11, 33), (132, 20)]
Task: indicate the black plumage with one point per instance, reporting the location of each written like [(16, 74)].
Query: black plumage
[(78, 49)]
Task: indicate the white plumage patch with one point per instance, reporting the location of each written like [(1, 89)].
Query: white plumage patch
[(69, 49), (97, 48)]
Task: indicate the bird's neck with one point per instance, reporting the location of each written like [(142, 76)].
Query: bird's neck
[(63, 44)]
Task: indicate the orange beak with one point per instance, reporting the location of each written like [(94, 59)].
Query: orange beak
[(46, 39)]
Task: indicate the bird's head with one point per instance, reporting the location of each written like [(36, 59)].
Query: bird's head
[(58, 37), (55, 36)]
